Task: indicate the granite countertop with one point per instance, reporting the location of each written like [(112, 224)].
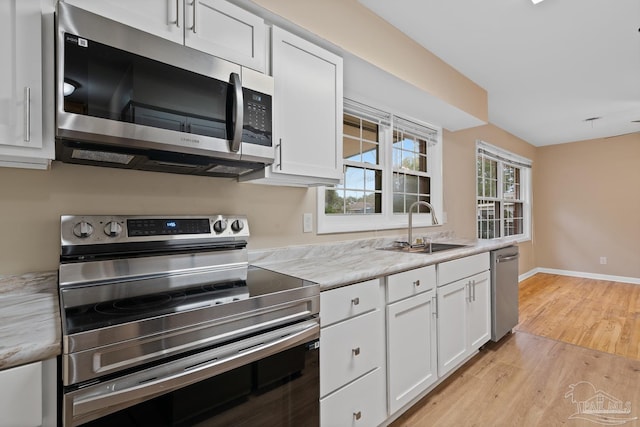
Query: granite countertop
[(29, 318), (338, 264), (30, 315)]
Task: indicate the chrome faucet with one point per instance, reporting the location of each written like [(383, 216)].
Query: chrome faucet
[(434, 220)]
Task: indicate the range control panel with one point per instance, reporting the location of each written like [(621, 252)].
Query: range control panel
[(96, 229)]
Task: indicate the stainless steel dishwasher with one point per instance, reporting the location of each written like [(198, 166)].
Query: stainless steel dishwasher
[(504, 291)]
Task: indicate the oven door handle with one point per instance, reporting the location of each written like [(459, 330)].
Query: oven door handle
[(102, 399)]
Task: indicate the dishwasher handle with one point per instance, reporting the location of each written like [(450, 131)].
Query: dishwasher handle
[(507, 258)]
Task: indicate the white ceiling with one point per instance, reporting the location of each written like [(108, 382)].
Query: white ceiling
[(546, 67)]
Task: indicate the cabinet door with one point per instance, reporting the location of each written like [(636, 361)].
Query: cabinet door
[(412, 354), (163, 18), (20, 76), (21, 395), (308, 108), (479, 311), (452, 325), (226, 31)]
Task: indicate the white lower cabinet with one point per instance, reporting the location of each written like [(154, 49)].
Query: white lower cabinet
[(374, 363), (361, 403), (463, 309), (21, 396), (354, 348), (452, 325), (352, 356), (28, 395), (479, 311), (411, 346)]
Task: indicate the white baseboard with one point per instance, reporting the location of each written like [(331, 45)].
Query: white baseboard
[(622, 279)]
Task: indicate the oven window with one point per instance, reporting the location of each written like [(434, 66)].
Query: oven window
[(105, 82), (279, 390)]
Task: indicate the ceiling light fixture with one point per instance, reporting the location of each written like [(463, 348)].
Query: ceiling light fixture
[(535, 1)]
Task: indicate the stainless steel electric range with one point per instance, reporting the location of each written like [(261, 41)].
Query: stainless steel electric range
[(165, 323)]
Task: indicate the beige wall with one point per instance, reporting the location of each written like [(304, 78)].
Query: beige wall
[(460, 179), (587, 205), (32, 202)]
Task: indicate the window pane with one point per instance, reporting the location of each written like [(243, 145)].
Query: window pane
[(398, 203), (373, 179), (409, 188), (411, 184), (487, 177), (351, 149), (370, 152), (488, 213), (354, 178), (511, 182), (513, 220), (334, 201), (360, 141), (425, 185), (409, 153)]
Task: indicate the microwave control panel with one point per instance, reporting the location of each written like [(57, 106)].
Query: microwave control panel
[(257, 128)]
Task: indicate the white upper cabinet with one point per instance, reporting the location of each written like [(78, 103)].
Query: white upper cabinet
[(224, 30), (162, 18), (212, 26), (307, 113), (21, 96)]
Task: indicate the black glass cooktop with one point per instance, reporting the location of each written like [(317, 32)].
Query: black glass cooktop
[(119, 311)]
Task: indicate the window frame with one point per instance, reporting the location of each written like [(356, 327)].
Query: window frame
[(504, 158), (387, 220)]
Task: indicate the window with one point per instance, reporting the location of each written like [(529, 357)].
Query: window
[(411, 153), (503, 193), (389, 163)]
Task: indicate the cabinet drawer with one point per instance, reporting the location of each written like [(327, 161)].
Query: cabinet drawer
[(349, 301), (350, 349), (361, 403), (409, 283), (457, 269)]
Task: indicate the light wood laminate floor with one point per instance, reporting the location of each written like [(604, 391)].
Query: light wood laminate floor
[(572, 331), (597, 314)]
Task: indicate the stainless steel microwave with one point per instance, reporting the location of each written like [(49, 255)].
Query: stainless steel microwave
[(129, 99)]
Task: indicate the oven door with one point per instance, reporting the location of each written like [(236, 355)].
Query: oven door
[(123, 87), (265, 380)]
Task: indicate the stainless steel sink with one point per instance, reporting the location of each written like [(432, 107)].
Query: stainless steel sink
[(422, 249)]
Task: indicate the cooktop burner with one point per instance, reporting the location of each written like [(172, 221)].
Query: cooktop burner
[(107, 313), (138, 304)]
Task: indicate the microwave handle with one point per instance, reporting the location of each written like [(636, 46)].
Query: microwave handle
[(238, 112)]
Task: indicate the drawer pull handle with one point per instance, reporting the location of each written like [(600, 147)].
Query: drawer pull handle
[(357, 415), (356, 351), (417, 283), (355, 301)]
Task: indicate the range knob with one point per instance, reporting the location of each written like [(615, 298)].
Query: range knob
[(83, 229), (112, 229), (237, 225), (220, 225)]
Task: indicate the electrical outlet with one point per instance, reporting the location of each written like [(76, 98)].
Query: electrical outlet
[(307, 222), (603, 260)]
